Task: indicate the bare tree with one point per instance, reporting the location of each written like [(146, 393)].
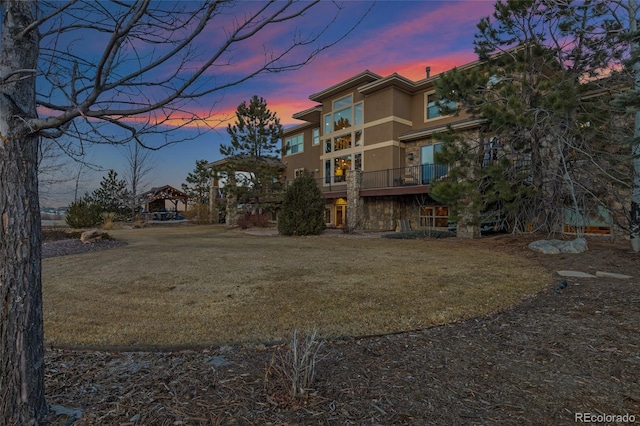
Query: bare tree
[(140, 164), (110, 72), (53, 168)]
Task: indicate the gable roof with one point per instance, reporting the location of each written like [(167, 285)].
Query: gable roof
[(166, 192)]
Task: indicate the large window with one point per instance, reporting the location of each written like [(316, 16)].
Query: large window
[(340, 137), (342, 142), (434, 216), (295, 144), (340, 167), (344, 115), (335, 169), (433, 107)]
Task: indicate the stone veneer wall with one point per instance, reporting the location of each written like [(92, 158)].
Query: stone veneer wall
[(382, 213)]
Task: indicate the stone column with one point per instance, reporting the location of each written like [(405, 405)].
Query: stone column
[(232, 202), (355, 204), (213, 195), (465, 229)]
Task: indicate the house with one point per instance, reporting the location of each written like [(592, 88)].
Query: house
[(381, 132)]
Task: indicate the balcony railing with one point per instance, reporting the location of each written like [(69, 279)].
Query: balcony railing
[(424, 174)]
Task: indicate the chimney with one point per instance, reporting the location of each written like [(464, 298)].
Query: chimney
[(428, 69)]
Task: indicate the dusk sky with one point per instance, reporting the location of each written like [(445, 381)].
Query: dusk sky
[(396, 36)]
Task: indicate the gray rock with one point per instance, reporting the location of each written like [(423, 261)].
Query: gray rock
[(576, 274), (613, 275), (578, 245), (91, 236), (218, 361), (74, 413)]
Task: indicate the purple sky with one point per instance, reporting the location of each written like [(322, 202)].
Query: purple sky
[(397, 36)]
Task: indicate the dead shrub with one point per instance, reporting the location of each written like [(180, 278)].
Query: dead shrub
[(249, 220), (292, 369)]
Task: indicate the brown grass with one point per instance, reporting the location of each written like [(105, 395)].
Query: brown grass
[(200, 285)]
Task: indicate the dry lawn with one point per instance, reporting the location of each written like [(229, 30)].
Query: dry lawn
[(207, 285)]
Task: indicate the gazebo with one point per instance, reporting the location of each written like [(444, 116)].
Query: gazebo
[(155, 202)]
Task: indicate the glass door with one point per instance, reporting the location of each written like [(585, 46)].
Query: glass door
[(430, 170), (341, 216)]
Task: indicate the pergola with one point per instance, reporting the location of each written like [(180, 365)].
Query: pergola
[(155, 199)]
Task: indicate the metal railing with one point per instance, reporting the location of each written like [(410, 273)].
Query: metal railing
[(424, 174)]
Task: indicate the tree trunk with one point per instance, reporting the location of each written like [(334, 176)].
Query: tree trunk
[(22, 399), (634, 219)]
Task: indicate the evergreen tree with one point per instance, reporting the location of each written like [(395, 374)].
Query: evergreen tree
[(255, 138), (198, 183), (630, 100), (83, 213), (302, 211), (112, 195), (539, 89)]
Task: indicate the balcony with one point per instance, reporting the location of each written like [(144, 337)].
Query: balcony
[(403, 180)]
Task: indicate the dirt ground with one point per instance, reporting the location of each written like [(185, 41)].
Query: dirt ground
[(564, 355)]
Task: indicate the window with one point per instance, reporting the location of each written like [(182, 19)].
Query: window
[(358, 118), (315, 134), (433, 107), (342, 102), (342, 119), (358, 138), (295, 144), (341, 165), (342, 142), (328, 126), (434, 216), (344, 115)]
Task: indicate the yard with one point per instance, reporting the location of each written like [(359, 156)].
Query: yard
[(196, 285), (525, 354)]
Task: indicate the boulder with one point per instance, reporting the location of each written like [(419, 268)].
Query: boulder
[(578, 245), (91, 236)]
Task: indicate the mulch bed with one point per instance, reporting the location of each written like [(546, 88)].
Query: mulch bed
[(574, 350)]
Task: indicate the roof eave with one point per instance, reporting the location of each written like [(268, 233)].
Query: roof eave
[(355, 81)]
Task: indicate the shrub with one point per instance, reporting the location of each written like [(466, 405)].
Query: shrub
[(198, 213), (261, 220), (293, 366), (83, 213), (107, 220), (303, 208)]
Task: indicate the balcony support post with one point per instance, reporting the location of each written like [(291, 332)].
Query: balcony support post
[(355, 204)]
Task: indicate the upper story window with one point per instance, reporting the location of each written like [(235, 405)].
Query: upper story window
[(433, 107), (344, 115), (342, 102), (358, 118), (295, 144), (315, 134)]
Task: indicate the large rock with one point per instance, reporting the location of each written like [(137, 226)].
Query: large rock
[(558, 246), (91, 236)]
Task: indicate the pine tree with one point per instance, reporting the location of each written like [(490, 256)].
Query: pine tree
[(198, 183), (112, 195), (546, 116), (255, 138)]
